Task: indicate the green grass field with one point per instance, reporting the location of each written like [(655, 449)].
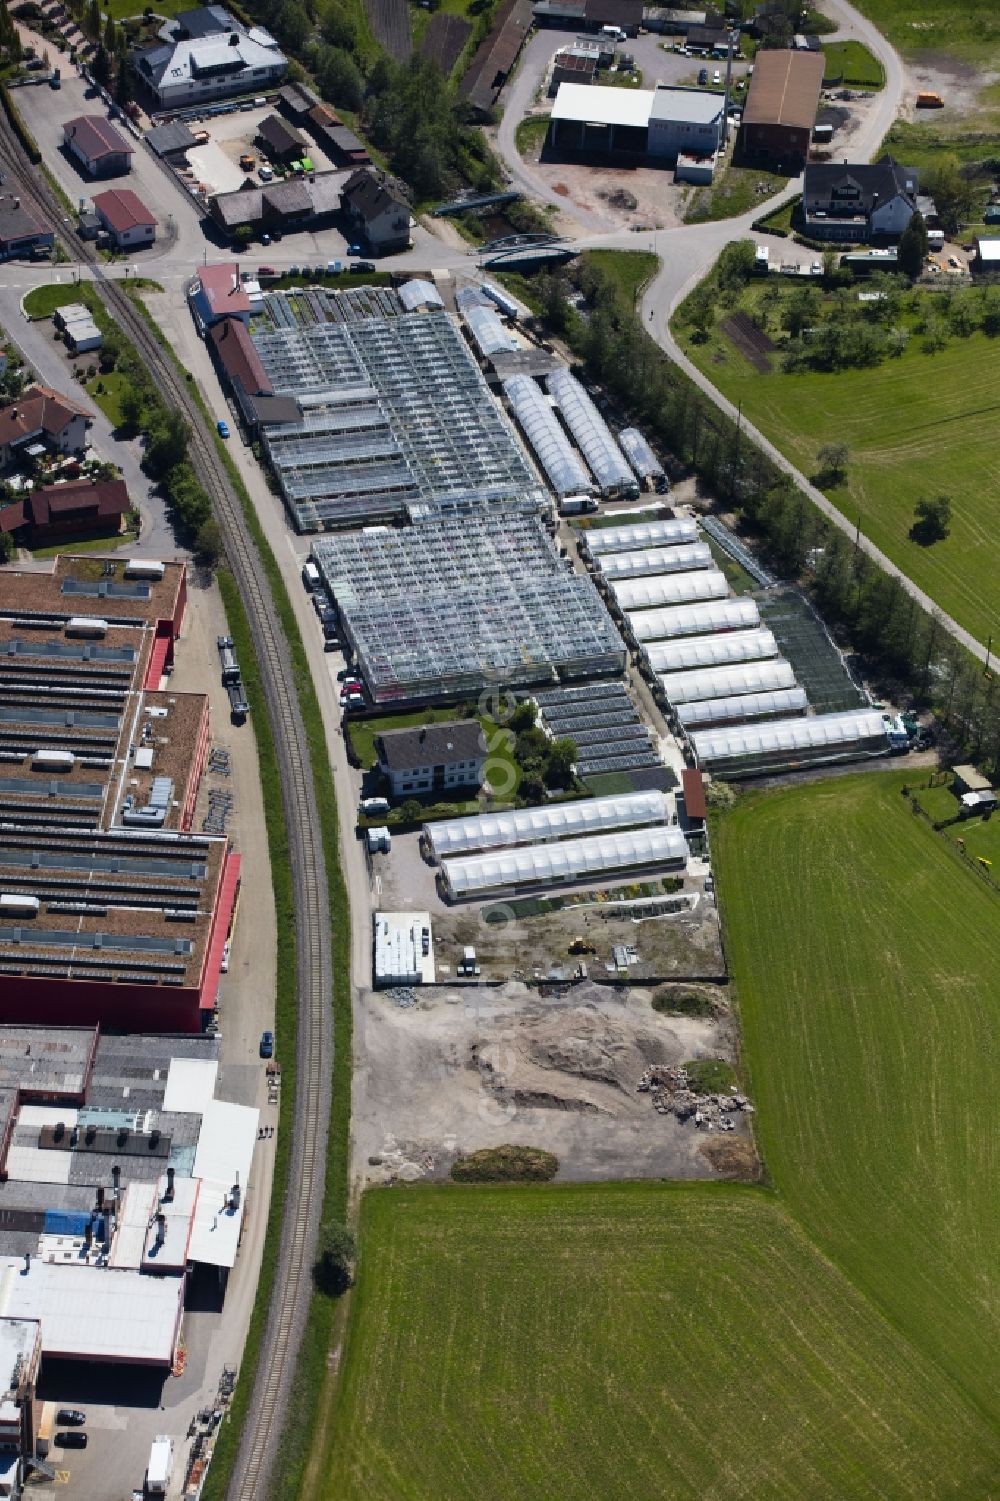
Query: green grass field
[(920, 425), (626, 1340), (970, 29), (866, 966), (851, 63)]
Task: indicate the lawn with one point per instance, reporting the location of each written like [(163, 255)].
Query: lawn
[(107, 390), (735, 191), (627, 1340), (851, 63), (865, 960), (916, 426), (964, 28), (530, 134)]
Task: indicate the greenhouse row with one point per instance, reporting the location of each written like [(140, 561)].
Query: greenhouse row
[(669, 589), (749, 749), (627, 565), (592, 435), (639, 534), (488, 332), (743, 706), (639, 454), (724, 682), (565, 860), (563, 466), (694, 620), (711, 651), (550, 821)]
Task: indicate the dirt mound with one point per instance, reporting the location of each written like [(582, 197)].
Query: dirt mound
[(732, 1157)]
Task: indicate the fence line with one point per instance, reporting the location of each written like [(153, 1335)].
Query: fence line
[(983, 871)]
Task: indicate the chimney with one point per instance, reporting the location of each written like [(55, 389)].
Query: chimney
[(116, 1177), (27, 1262), (100, 1199), (161, 1228), (169, 1191), (235, 1195)]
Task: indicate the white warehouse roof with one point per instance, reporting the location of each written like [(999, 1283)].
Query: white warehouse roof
[(638, 534), (694, 620), (589, 816), (670, 589), (711, 651), (989, 251), (697, 106), (629, 565), (743, 706), (590, 105), (565, 860), (822, 732), (95, 1313), (721, 682)]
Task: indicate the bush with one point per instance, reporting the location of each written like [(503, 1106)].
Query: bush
[(333, 1269), (506, 1164), (710, 1075), (671, 1002)]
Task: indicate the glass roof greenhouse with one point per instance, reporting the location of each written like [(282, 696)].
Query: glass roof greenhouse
[(563, 466), (592, 434)]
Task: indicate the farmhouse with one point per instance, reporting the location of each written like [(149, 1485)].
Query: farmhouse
[(860, 200), (125, 218), (381, 216), (57, 512), (781, 107), (99, 148), (432, 757)]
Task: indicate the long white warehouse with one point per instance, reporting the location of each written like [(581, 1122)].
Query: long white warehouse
[(711, 651), (743, 706), (565, 860), (670, 589), (634, 565), (592, 434), (563, 466), (638, 534), (555, 821), (752, 749), (722, 682), (694, 620)]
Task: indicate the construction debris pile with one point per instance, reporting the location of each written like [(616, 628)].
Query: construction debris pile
[(671, 1094)]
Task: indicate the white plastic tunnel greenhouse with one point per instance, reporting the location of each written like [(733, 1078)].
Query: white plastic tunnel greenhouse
[(489, 333), (686, 652), (694, 620), (639, 454), (563, 467), (633, 565), (591, 434), (743, 706), (670, 589), (639, 534), (742, 749), (722, 682), (565, 860), (554, 821)]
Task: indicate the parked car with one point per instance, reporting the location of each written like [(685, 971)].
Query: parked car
[(74, 1439), (355, 250), (334, 268), (265, 239), (70, 1417), (702, 76), (716, 77), (264, 172), (266, 271), (362, 268), (267, 1044), (222, 428), (816, 269)]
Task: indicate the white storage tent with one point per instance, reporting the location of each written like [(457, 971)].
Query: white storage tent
[(723, 682), (743, 706), (694, 620), (419, 293), (633, 565), (670, 589), (823, 736), (489, 333), (639, 454), (591, 433), (563, 467), (638, 534), (711, 651), (565, 860), (554, 821)]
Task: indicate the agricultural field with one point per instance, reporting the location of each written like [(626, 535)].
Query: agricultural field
[(627, 1340), (919, 425), (865, 956), (851, 63), (969, 30)]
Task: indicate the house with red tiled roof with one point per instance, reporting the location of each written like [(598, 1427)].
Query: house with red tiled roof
[(101, 150), (218, 292), (42, 420), (125, 217), (57, 512)]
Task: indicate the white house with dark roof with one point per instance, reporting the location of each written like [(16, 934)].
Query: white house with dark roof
[(207, 54), (381, 216), (432, 757), (859, 201)]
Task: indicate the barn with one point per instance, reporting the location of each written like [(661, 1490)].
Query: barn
[(781, 108)]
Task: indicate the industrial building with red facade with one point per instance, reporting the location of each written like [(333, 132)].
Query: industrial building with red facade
[(112, 911)]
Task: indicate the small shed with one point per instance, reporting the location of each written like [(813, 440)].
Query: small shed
[(968, 779)]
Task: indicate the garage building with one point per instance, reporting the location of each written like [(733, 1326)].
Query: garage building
[(781, 106)]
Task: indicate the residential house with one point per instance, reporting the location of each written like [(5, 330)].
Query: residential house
[(39, 420), (125, 218), (101, 150), (377, 213), (858, 201), (433, 757), (58, 512), (218, 292), (207, 54), (21, 233)]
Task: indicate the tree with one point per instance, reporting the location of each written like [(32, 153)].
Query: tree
[(337, 26), (932, 520), (333, 1269), (833, 459), (208, 542), (339, 78), (912, 249), (523, 717), (94, 20), (559, 763), (951, 191), (168, 441), (411, 811), (736, 264), (132, 406)]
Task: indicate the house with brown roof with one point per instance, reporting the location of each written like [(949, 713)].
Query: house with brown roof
[(218, 292), (377, 213), (780, 108), (55, 513), (101, 150), (42, 420), (125, 217), (280, 140)]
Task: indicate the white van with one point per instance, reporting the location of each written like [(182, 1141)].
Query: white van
[(614, 32), (310, 576), (577, 505)]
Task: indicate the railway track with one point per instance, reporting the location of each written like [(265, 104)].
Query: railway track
[(304, 1193)]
